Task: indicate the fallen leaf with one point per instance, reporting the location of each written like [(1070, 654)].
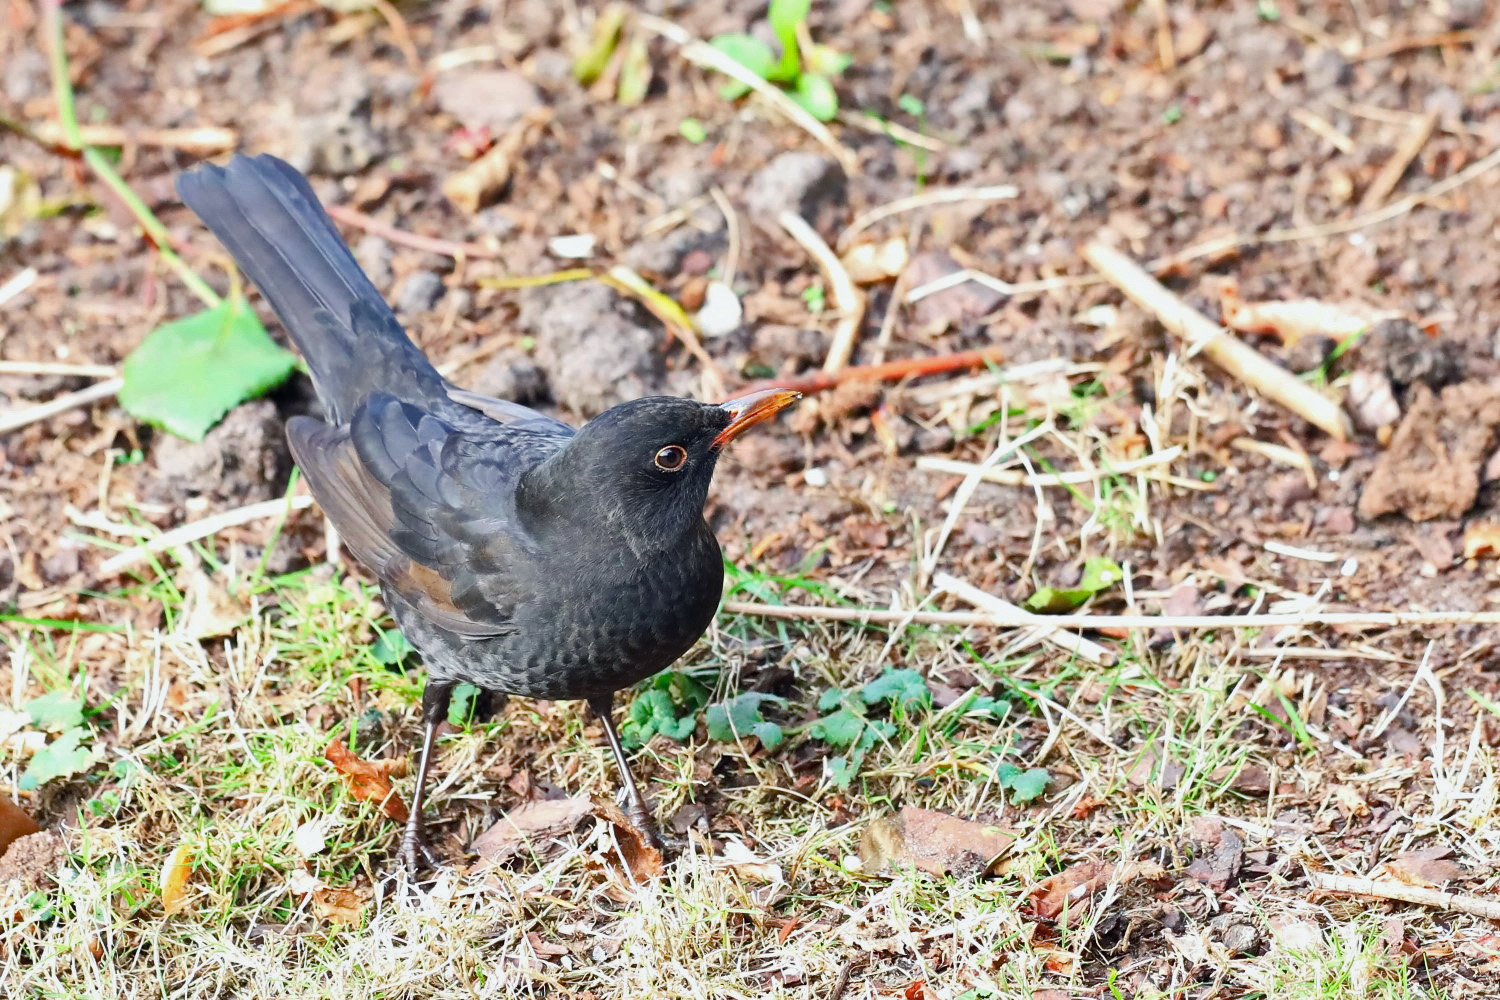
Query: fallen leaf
[(641, 860), (1481, 540), (932, 842), (530, 824), (369, 780), (212, 612), (1291, 320), (338, 906), (1070, 888), (14, 823), (174, 879), (870, 263), (312, 837), (1220, 868), (1428, 867), (738, 858)]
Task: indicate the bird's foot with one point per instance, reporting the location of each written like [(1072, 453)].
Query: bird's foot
[(416, 854)]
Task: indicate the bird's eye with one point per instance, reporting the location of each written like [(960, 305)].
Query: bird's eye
[(671, 458)]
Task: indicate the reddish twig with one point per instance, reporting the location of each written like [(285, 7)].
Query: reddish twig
[(431, 244), (889, 371)]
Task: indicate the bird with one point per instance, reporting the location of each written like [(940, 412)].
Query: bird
[(515, 552)]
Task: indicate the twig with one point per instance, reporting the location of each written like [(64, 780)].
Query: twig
[(1006, 288), (1013, 477), (198, 139), (1202, 334), (1321, 126), (703, 54), (62, 404), (402, 34), (732, 225), (202, 528), (233, 30), (1395, 168), (1395, 46), (1396, 209), (431, 244), (1458, 902), (1275, 452), (889, 371), (1076, 644), (879, 126), (56, 368), (17, 284), (849, 299), (1309, 619), (937, 196)]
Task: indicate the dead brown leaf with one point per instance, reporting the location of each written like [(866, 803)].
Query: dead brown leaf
[(369, 780), (1481, 540), (338, 906), (14, 823), (1428, 867), (529, 825), (642, 861), (174, 878), (932, 842), (1071, 889)]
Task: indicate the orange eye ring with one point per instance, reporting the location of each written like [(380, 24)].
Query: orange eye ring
[(672, 458)]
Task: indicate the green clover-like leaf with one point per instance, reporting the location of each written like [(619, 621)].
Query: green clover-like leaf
[(905, 688), (187, 374), (741, 716), (62, 758), (55, 711), (1024, 786)]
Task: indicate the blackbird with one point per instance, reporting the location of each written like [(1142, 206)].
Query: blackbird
[(515, 553)]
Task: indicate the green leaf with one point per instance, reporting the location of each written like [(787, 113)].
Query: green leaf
[(692, 130), (390, 647), (652, 712), (592, 61), (906, 688), (187, 374), (56, 711), (841, 729), (769, 734), (841, 770), (991, 706), (830, 699), (1098, 574), (912, 105), (1022, 785), (830, 62), (61, 758), (635, 76), (875, 731), (751, 53), (741, 716), (816, 95), (786, 16), (461, 704)]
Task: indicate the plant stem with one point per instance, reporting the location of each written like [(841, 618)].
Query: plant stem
[(67, 113)]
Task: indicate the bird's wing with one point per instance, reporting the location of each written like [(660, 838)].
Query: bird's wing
[(427, 507), (509, 413)]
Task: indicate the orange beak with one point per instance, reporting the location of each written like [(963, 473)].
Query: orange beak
[(748, 410)]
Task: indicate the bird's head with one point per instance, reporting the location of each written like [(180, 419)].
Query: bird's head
[(640, 470)]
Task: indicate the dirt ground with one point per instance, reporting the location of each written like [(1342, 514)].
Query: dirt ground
[(1156, 127)]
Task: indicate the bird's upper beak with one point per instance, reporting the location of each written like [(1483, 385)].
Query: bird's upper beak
[(750, 409)]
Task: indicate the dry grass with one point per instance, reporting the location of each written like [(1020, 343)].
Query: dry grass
[(216, 744)]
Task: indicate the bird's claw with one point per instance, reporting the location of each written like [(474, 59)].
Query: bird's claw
[(416, 854)]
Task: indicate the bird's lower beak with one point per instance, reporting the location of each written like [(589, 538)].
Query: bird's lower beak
[(750, 409)]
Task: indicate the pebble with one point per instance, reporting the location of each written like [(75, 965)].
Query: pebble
[(421, 291)]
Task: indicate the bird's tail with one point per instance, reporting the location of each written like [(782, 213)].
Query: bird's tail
[(267, 217)]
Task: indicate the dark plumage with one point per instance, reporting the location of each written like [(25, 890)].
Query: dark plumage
[(515, 553)]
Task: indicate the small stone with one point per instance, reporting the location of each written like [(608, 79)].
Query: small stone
[(800, 182), (242, 460), (593, 346), (421, 292), (1326, 69), (494, 99), (61, 564), (514, 375), (815, 477), (374, 256)]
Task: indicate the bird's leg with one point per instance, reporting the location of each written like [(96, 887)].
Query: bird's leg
[(414, 848), (635, 805)]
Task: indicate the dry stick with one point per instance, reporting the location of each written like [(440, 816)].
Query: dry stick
[(1459, 902), (1336, 619), (1391, 173), (1323, 127), (1012, 477), (879, 126), (889, 371), (200, 139), (939, 196), (431, 244), (16, 419), (17, 283), (1076, 644), (703, 54), (56, 368), (1229, 353), (202, 528), (1396, 209), (1397, 45), (849, 299), (732, 224)]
